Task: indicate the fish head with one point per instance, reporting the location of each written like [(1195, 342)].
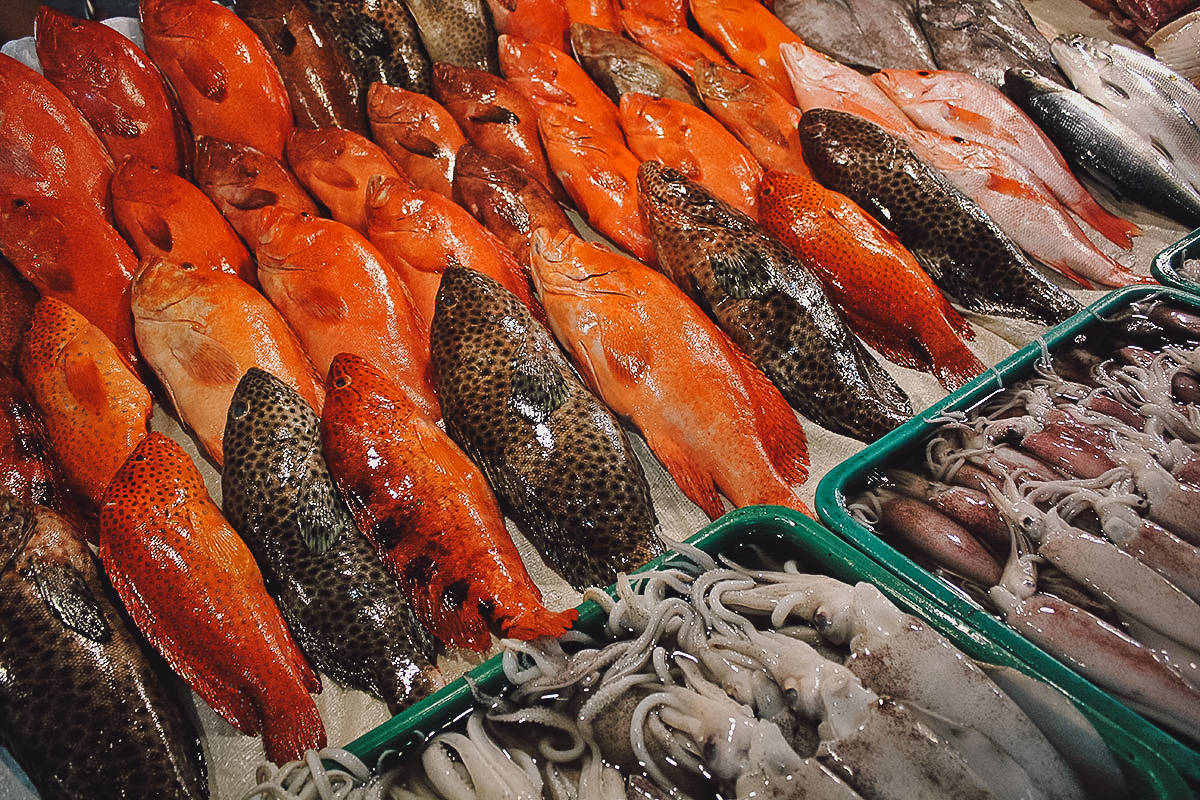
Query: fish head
[(390, 201), (157, 473), (666, 196), (283, 233), (905, 85), (165, 288), (264, 410), (356, 386), (32, 231), (721, 82), (52, 327), (786, 193), (67, 45), (565, 265), (137, 181), (17, 524), (1023, 84)]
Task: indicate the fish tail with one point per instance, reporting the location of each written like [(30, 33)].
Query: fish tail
[(292, 728), (533, 622), (1116, 229), (777, 426), (454, 624), (953, 362)]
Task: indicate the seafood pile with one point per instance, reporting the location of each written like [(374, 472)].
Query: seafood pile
[(709, 678), (1066, 505)]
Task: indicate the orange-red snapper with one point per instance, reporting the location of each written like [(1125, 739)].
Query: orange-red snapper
[(542, 21), (749, 35), (672, 41), (713, 418), (193, 589), (335, 165), (417, 132)]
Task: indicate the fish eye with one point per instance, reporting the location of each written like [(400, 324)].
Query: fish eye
[(20, 203), (924, 73), (342, 381), (238, 409)]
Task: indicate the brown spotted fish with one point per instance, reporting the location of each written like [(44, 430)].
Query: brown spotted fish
[(770, 304), (550, 449), (84, 710), (619, 66), (962, 249), (381, 39), (457, 32), (344, 609)]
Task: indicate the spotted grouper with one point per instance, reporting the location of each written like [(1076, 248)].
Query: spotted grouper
[(551, 450), (770, 304), (962, 249)]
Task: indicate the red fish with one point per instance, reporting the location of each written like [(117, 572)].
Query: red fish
[(544, 21), (242, 181), (193, 589), (687, 138), (421, 232), (886, 297), (749, 35), (715, 420), (17, 299), (96, 410), (70, 252), (340, 294), (116, 88), (49, 148), (674, 42), (226, 81), (494, 116), (672, 12), (336, 165), (162, 214), (602, 14), (429, 512), (417, 132)]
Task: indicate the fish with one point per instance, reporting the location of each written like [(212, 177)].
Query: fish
[(685, 137), (1113, 82), (543, 21), (50, 149), (344, 609), (495, 116), (162, 214), (1156, 68), (382, 41), (116, 88), (85, 708), (192, 588), (819, 81), (885, 296), (1098, 143), (550, 78), (506, 199), (959, 104), (749, 35), (200, 330), (603, 14), (340, 294), (430, 513), (95, 409), (422, 233), (771, 305), (419, 135), (17, 299), (619, 65), (241, 181), (864, 34), (713, 419), (226, 82), (671, 41), (599, 172), (322, 83), (673, 12), (985, 38), (552, 452), (758, 115), (335, 166), (967, 255), (72, 253), (458, 33)]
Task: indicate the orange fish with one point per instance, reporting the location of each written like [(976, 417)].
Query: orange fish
[(225, 80), (544, 21), (70, 252), (603, 14), (95, 408), (193, 589), (242, 181), (494, 116), (600, 174), (713, 419), (687, 138), (671, 12), (200, 330), (549, 78), (674, 42), (116, 88), (49, 148), (420, 136), (162, 214), (335, 166), (429, 512), (340, 294), (886, 297), (762, 119), (17, 299), (421, 232), (749, 35)]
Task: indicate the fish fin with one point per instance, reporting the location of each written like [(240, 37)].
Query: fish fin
[(1061, 267), (205, 361), (744, 274), (538, 386), (291, 729), (446, 610), (66, 593), (254, 199), (775, 422), (157, 232), (1012, 187), (321, 303), (494, 115), (320, 516), (332, 174), (204, 72), (980, 122), (109, 119), (692, 479), (421, 146), (85, 384), (537, 621)]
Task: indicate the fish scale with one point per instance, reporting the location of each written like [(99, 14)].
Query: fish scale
[(346, 612), (553, 452), (961, 248)]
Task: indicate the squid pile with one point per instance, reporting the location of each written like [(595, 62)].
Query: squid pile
[(1067, 504), (713, 678)]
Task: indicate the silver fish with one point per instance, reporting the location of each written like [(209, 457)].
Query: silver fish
[(985, 38), (1095, 141), (869, 34)]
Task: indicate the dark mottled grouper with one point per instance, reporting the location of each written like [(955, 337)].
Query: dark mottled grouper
[(457, 32), (345, 610), (81, 708), (770, 304), (551, 450), (381, 39), (962, 249)]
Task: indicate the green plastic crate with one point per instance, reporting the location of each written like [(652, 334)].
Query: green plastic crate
[(1167, 266)]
